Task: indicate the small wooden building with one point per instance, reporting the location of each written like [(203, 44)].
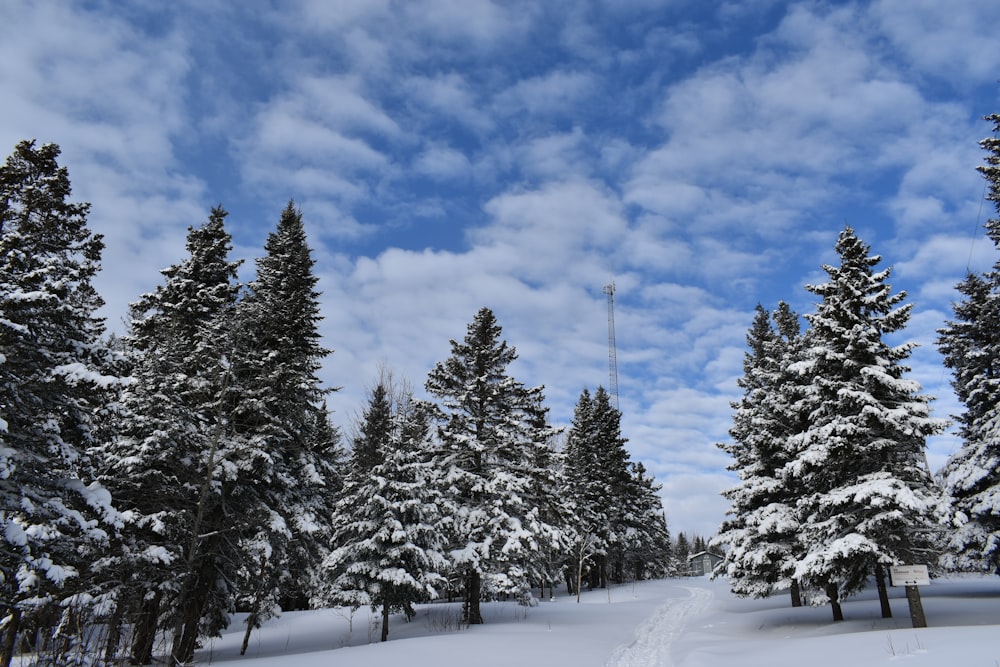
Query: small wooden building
[(703, 563)]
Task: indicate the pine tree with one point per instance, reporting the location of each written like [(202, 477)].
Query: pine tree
[(683, 551), (647, 551), (762, 531), (867, 498), (487, 432), (176, 463), (582, 488), (971, 348), (613, 460), (387, 541), (600, 489), (55, 374), (285, 475)]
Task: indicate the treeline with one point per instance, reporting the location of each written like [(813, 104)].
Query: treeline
[(152, 484), (829, 437)]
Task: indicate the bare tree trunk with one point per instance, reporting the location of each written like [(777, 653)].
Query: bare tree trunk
[(883, 593), (253, 618), (474, 615), (831, 592), (796, 593), (251, 624), (385, 620), (114, 634), (9, 637), (144, 631)]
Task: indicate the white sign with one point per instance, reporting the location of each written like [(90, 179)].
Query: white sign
[(909, 575)]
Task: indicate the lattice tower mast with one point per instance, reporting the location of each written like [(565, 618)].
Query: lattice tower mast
[(609, 289)]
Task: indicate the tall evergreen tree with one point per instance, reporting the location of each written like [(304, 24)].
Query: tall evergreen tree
[(176, 463), (387, 541), (288, 476), (487, 431), (762, 531), (54, 370), (971, 347), (582, 488), (597, 483), (647, 552), (867, 497)]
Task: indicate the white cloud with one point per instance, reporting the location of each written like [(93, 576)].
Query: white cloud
[(955, 42), (443, 163), (556, 92)]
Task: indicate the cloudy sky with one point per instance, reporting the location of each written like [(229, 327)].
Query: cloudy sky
[(454, 154)]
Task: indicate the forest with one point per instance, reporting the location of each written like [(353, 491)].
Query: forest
[(155, 483)]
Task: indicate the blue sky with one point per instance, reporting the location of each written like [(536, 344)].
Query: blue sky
[(453, 154)]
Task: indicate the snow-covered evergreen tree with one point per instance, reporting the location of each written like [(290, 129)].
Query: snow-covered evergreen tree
[(646, 549), (487, 432), (388, 547), (761, 534), (596, 483), (971, 347), (866, 497), (177, 461), (55, 373), (289, 480)]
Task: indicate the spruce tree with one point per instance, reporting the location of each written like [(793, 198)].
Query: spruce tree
[(176, 463), (604, 498), (286, 475), (647, 551), (582, 488), (487, 433), (387, 545), (971, 347), (866, 496), (55, 374), (616, 481), (762, 531)]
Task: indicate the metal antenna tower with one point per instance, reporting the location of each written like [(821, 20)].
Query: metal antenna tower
[(609, 289)]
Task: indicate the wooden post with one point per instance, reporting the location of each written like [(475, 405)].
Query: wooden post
[(916, 607), (912, 576)]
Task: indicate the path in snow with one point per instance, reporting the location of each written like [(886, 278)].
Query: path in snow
[(655, 638)]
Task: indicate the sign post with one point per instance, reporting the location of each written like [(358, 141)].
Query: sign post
[(912, 576)]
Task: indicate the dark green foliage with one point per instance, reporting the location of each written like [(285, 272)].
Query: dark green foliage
[(56, 376), (387, 546), (615, 519), (289, 482), (762, 531), (176, 463), (865, 495), (971, 347), (490, 437)]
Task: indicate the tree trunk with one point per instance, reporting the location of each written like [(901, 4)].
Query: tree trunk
[(144, 631), (114, 634), (385, 620), (9, 638), (473, 614), (831, 592), (254, 615), (187, 642), (796, 593), (883, 593), (251, 624)]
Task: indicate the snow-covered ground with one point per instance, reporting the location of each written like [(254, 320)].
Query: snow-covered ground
[(671, 623)]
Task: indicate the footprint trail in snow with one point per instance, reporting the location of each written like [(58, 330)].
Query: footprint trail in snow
[(655, 638)]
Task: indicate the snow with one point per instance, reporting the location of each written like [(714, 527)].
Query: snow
[(682, 622)]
